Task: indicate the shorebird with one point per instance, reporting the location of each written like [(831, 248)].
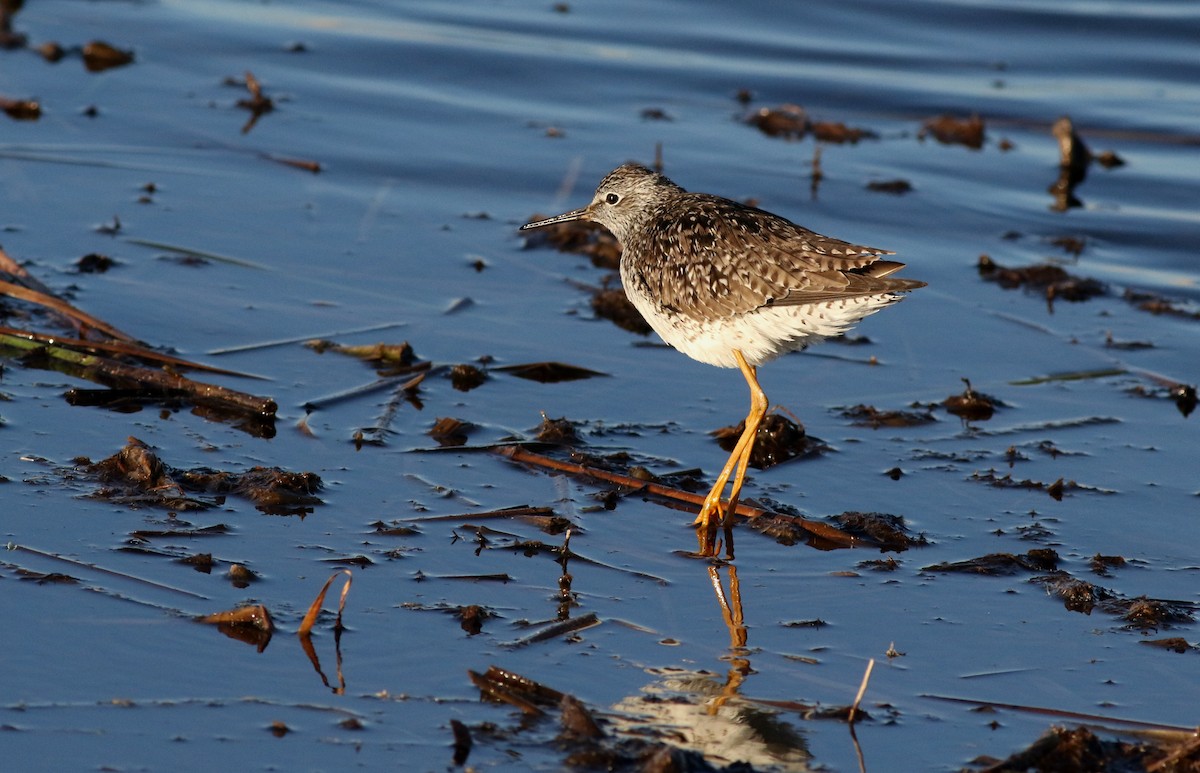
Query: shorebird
[(733, 286)]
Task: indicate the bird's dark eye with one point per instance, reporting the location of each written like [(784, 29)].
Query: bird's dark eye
[(612, 198)]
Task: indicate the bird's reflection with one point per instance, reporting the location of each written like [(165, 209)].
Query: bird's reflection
[(731, 613), (707, 713)]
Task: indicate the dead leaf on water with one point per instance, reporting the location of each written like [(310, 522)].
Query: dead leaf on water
[(971, 405), (315, 608), (99, 56), (21, 109), (449, 431), (251, 624)]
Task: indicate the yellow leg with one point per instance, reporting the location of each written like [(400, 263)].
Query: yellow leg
[(739, 459)]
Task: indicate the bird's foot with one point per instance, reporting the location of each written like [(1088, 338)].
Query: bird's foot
[(712, 515)]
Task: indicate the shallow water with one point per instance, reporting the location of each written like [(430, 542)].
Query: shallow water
[(430, 122)]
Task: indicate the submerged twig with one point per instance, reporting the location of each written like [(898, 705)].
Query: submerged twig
[(111, 572), (194, 253), (119, 375), (557, 629), (1061, 713), (300, 338), (79, 319), (121, 348), (815, 528)]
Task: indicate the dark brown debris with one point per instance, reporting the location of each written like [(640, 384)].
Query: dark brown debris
[(1157, 304), (383, 356), (598, 468), (1062, 749), (1072, 245), (1126, 346), (9, 38), (462, 742), (895, 187), (1144, 613), (47, 578), (870, 416), (272, 490), (21, 109), (558, 431), (1077, 595), (241, 576), (612, 304), (549, 372), (579, 237), (201, 562), (1056, 490), (449, 432), (1074, 154), (971, 405), (779, 439), (881, 530), (51, 51), (577, 720), (781, 528), (1001, 564), (1185, 398), (94, 263), (251, 624), (839, 133), (792, 123), (144, 535), (259, 104), (465, 377), (787, 121), (99, 56), (502, 686), (1176, 644), (888, 564), (304, 164), (885, 529), (1053, 280), (1140, 613), (136, 476), (950, 130), (1102, 565), (472, 617), (393, 530)]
